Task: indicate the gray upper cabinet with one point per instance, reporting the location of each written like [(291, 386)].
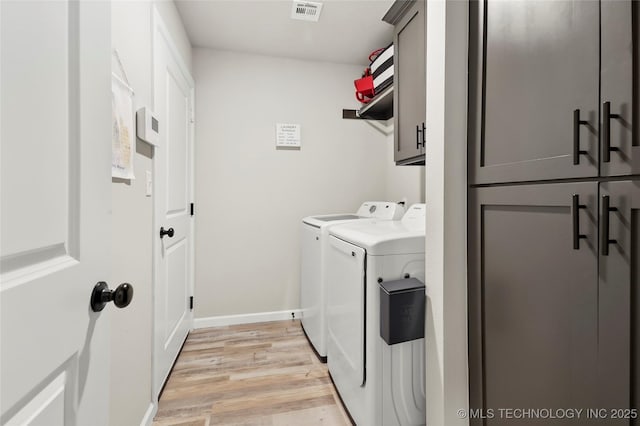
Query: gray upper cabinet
[(620, 74), (533, 93), (619, 334), (533, 298), (409, 103)]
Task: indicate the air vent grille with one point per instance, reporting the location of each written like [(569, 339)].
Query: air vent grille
[(306, 10)]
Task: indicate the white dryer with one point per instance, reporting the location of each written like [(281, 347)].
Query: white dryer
[(315, 233), (379, 384)]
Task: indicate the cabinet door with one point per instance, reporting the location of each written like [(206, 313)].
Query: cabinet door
[(532, 65), (410, 84), (620, 141), (533, 299), (619, 296)]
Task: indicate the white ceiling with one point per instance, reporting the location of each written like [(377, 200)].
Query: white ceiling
[(347, 32)]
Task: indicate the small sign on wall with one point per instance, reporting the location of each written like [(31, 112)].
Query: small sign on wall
[(287, 135)]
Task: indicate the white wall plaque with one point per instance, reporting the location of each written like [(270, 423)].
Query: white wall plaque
[(287, 135)]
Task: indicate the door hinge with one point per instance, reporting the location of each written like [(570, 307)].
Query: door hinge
[(191, 303), (192, 209)]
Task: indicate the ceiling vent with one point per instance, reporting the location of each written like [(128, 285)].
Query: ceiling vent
[(306, 10)]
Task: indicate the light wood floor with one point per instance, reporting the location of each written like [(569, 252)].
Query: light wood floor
[(254, 374)]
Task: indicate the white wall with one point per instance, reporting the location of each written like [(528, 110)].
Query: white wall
[(250, 196), (132, 215), (173, 21), (403, 183), (446, 213)]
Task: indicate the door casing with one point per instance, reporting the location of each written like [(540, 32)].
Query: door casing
[(160, 29)]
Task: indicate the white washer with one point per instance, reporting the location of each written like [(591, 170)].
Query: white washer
[(315, 233), (379, 384)]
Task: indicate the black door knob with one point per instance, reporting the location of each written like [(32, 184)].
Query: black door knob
[(164, 232), (101, 295)]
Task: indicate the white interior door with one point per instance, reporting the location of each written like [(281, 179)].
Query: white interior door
[(55, 201), (173, 104)]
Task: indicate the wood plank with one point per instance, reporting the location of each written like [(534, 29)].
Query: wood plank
[(249, 374)]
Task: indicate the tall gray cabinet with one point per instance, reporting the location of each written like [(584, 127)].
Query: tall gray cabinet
[(619, 295), (554, 190)]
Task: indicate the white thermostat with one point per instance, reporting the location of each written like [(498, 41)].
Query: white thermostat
[(147, 126)]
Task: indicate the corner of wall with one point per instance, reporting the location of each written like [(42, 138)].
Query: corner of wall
[(446, 222), (402, 183), (170, 14)]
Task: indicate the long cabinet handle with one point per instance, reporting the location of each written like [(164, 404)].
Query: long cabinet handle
[(575, 218), (418, 138), (606, 132), (606, 209), (424, 137), (577, 152)]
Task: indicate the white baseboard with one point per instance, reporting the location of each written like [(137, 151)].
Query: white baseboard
[(245, 318), (149, 415)]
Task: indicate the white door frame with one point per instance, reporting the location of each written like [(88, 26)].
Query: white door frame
[(159, 28)]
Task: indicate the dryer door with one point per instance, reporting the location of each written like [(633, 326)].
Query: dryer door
[(346, 311)]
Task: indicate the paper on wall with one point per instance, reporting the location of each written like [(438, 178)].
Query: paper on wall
[(123, 138), (287, 135)]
